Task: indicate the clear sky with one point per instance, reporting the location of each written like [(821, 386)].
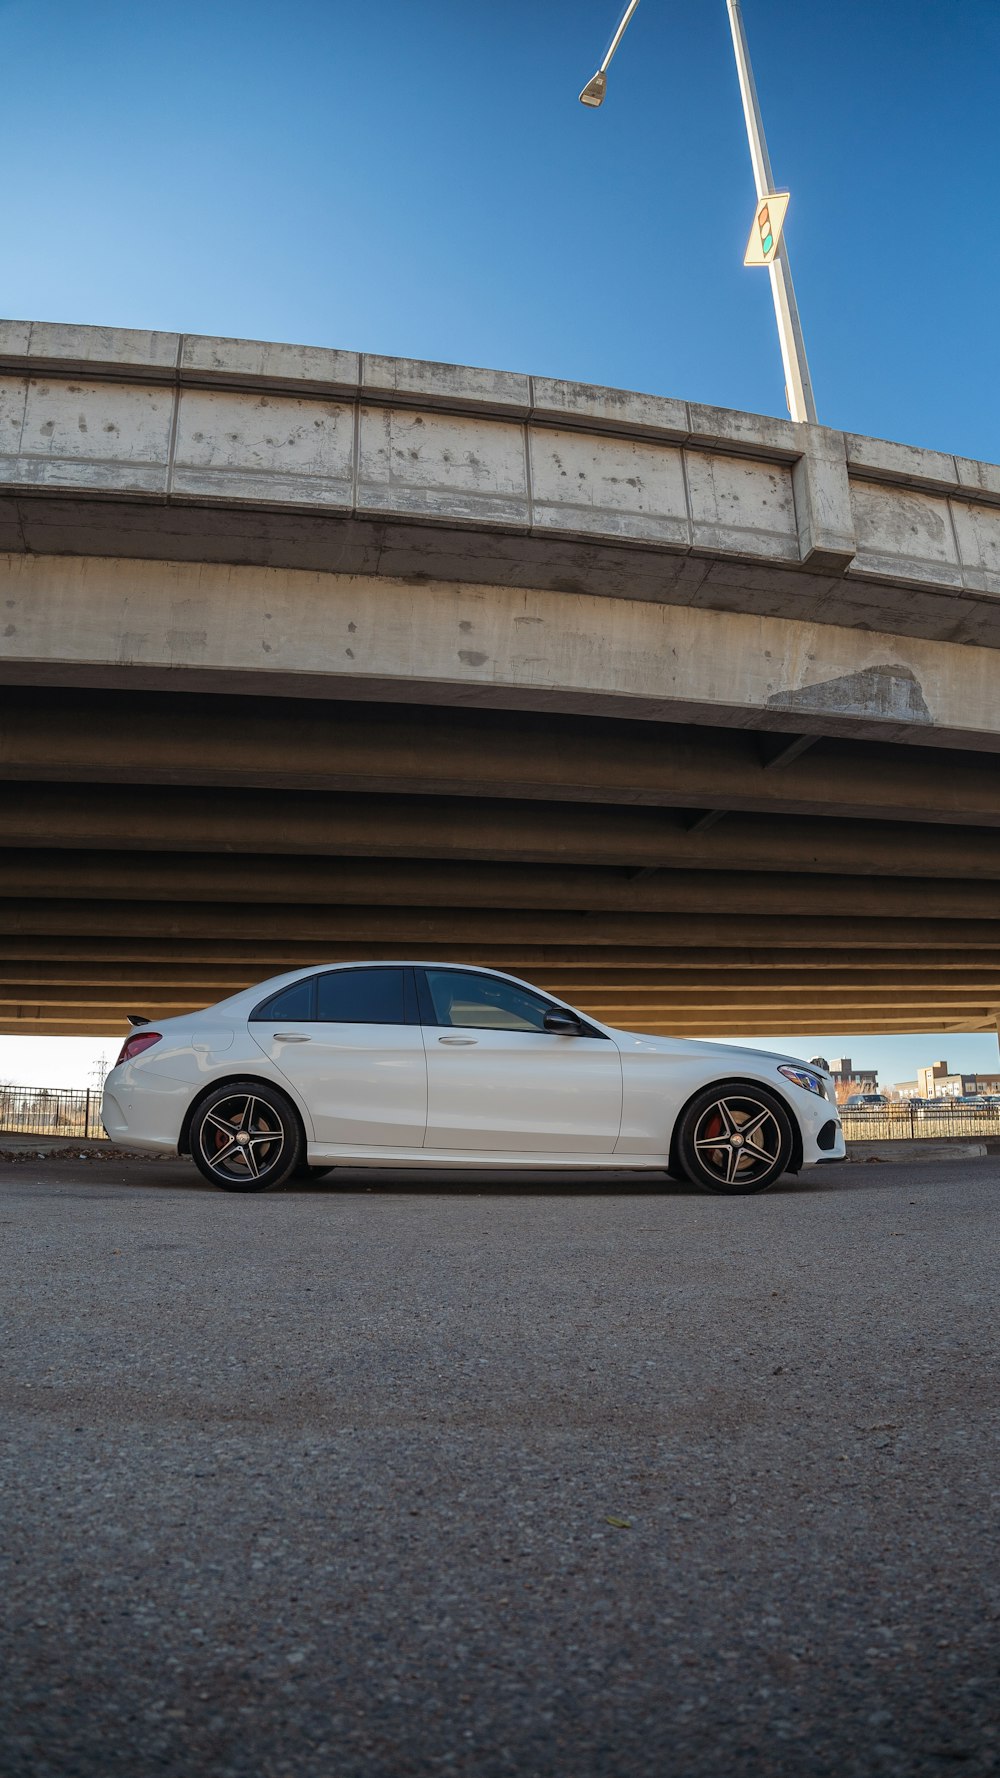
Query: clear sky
[(416, 177)]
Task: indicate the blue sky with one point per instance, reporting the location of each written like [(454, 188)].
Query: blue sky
[(417, 177)]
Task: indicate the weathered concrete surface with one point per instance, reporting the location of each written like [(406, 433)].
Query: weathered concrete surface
[(328, 1482), (104, 622), (247, 452)]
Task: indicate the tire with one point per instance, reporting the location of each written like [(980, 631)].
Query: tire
[(304, 1171), (246, 1137), (734, 1139)]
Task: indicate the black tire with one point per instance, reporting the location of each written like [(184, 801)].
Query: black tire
[(734, 1139), (246, 1137), (304, 1171)]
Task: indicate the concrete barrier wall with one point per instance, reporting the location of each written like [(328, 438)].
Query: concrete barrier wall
[(739, 511)]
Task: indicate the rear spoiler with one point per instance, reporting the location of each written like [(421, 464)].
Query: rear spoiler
[(136, 1018)]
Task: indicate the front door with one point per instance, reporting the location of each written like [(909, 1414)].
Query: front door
[(498, 1082), (356, 1058)]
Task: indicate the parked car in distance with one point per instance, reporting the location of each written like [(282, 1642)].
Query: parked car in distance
[(861, 1099), (436, 1064)]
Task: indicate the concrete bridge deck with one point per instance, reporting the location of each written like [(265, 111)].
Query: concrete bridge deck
[(691, 714)]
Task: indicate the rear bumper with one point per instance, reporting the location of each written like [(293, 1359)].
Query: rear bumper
[(149, 1120)]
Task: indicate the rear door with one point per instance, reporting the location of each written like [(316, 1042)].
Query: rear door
[(349, 1042)]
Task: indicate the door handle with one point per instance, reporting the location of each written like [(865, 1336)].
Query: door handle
[(290, 1037), (458, 1040)]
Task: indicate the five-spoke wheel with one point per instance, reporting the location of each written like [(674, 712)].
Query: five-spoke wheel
[(246, 1137), (735, 1139)]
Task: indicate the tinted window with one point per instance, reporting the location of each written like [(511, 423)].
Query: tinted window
[(484, 1002), (362, 997), (289, 1003)]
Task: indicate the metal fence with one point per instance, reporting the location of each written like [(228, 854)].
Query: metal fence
[(888, 1123), (56, 1111), (50, 1111)]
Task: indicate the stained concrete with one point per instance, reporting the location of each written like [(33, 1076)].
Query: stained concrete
[(530, 472)]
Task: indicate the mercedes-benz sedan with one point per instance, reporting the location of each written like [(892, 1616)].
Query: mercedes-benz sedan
[(436, 1064)]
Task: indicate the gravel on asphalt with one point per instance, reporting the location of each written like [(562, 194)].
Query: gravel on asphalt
[(401, 1475)]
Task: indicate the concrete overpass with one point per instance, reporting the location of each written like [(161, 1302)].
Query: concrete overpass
[(691, 715)]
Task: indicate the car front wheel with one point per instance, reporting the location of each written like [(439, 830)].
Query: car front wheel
[(246, 1137), (735, 1139)]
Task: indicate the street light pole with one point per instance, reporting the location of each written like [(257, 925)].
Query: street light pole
[(798, 383)]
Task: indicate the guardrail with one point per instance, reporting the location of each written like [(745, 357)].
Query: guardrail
[(51, 1111)]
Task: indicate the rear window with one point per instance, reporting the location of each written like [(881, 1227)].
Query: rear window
[(361, 997), (294, 1002)]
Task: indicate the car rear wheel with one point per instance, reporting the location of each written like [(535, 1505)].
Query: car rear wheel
[(246, 1137), (735, 1139)]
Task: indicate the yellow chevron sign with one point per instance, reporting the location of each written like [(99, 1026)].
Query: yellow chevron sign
[(766, 231)]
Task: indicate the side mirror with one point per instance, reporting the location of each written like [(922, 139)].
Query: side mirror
[(559, 1019)]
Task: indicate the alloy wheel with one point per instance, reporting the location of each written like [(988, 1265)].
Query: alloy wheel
[(241, 1139), (737, 1140)]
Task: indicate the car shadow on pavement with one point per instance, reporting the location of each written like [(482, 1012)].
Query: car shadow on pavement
[(81, 1172)]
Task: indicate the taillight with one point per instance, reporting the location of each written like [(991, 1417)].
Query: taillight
[(134, 1046)]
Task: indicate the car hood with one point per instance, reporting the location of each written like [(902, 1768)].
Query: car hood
[(696, 1046)]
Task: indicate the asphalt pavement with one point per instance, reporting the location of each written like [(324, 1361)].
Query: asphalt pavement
[(403, 1475)]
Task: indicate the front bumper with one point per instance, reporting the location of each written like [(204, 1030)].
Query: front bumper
[(822, 1134)]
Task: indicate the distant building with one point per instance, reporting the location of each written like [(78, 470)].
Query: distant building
[(860, 1080), (847, 1079), (938, 1082)]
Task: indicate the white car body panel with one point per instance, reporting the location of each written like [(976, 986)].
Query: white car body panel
[(518, 1092), (398, 1095), (365, 1085)]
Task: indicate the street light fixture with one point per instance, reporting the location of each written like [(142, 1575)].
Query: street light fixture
[(594, 91), (798, 384)]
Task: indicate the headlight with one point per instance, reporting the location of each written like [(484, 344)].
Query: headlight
[(805, 1078)]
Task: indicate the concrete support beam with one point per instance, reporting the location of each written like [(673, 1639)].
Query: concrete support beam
[(387, 885), (109, 977), (576, 966), (292, 823), (27, 1025), (269, 632), (478, 754), (484, 932), (668, 1009)]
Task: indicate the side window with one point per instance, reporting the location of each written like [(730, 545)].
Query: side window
[(362, 997), (483, 1002), (295, 1002)]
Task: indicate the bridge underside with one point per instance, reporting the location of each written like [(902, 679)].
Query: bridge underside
[(160, 850), (692, 717)]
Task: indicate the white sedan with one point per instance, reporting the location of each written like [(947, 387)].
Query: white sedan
[(444, 1065)]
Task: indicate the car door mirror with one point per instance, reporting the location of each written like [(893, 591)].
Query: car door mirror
[(559, 1019)]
